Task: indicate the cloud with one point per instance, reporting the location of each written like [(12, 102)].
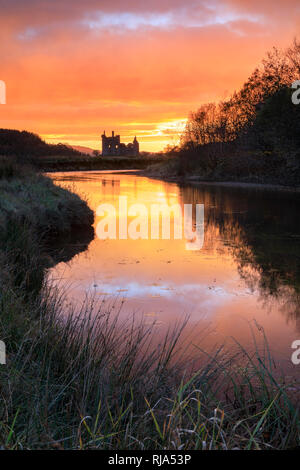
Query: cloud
[(71, 66)]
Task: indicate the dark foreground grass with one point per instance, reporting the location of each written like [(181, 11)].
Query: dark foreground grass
[(83, 378), (88, 380)]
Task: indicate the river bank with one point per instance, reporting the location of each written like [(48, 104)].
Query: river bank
[(197, 181), (50, 164), (30, 198), (170, 171), (34, 211), (75, 377)]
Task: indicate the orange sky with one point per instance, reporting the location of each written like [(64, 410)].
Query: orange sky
[(74, 68)]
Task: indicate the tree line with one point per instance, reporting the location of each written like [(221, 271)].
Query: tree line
[(253, 134)]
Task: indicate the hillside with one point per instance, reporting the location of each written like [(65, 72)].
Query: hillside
[(29, 145)]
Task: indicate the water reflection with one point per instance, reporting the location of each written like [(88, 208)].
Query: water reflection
[(247, 269), (262, 231)]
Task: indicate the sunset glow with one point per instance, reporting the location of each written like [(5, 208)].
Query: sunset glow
[(74, 68)]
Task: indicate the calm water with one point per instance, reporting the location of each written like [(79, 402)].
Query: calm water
[(248, 270)]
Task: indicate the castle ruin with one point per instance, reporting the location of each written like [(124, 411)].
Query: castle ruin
[(112, 146)]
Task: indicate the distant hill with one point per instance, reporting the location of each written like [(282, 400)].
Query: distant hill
[(86, 150), (28, 145)]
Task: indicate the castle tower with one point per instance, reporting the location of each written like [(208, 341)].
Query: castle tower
[(104, 144), (136, 147), (110, 145)]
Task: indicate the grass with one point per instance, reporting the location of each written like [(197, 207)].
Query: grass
[(82, 378), (91, 163), (246, 167), (28, 197)]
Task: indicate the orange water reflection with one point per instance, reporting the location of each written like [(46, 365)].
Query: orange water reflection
[(222, 287)]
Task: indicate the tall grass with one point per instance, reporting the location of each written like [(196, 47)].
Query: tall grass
[(29, 197), (86, 379), (10, 167), (80, 378)]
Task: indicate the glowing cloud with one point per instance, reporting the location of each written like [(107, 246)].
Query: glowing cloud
[(73, 68)]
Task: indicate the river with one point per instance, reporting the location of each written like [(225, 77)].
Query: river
[(244, 279)]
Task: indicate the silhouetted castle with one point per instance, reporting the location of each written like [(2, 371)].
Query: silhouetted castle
[(111, 146)]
